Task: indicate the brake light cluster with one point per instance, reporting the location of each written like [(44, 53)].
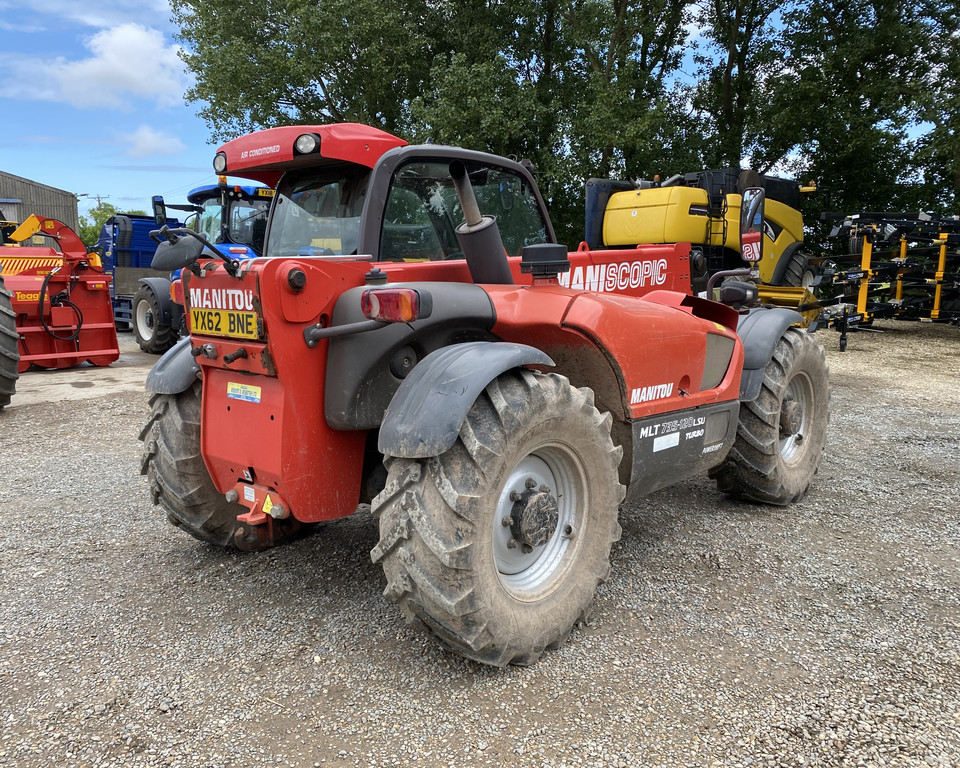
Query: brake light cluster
[(396, 305)]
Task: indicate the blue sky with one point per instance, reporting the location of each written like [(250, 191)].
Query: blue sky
[(91, 95)]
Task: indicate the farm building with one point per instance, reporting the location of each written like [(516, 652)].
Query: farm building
[(21, 197)]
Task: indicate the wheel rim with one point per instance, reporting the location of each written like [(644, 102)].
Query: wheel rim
[(799, 392), (532, 573), (145, 321)]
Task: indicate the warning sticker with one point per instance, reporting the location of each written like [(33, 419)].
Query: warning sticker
[(243, 392), (267, 505), (249, 494)]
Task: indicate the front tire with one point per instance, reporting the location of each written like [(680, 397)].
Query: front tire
[(152, 335), (181, 485), (781, 434), (9, 347), (496, 547), (799, 273)]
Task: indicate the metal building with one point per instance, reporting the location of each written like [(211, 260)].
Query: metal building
[(21, 197)]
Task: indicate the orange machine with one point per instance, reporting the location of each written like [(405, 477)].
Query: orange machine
[(60, 297)]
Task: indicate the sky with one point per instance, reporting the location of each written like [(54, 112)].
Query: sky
[(91, 94)]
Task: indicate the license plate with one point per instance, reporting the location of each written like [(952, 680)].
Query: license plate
[(224, 322)]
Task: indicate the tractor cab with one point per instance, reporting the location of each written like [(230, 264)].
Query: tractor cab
[(233, 217)]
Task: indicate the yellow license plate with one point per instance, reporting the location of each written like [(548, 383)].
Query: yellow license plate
[(224, 322)]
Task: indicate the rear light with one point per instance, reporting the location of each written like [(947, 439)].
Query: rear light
[(176, 291), (396, 305)]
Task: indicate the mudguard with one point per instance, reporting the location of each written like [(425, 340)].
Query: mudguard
[(161, 289), (174, 372), (780, 271), (760, 330), (426, 413)]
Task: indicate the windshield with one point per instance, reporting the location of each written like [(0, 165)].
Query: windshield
[(246, 222), (318, 213)]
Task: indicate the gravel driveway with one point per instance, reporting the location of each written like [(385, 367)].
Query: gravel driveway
[(826, 634)]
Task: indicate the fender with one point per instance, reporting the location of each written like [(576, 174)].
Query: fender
[(445, 384), (161, 289), (760, 330), (174, 372), (780, 270)]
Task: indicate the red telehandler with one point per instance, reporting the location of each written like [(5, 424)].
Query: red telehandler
[(405, 340)]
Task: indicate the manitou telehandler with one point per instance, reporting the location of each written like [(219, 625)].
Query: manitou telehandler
[(405, 340)]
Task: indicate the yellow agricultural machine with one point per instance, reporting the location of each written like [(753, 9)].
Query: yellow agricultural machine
[(703, 208)]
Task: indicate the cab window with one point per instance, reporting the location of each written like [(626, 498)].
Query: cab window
[(423, 212)]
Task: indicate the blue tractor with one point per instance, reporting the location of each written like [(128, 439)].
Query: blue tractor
[(234, 218)]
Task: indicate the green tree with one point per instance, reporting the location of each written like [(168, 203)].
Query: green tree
[(863, 95), (91, 225), (847, 96), (740, 49), (260, 63), (937, 152)]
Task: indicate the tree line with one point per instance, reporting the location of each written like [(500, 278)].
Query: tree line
[(861, 96)]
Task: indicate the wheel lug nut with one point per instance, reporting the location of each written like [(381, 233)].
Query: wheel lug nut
[(507, 521), (512, 544), (514, 496), (531, 483), (527, 549), (544, 489)]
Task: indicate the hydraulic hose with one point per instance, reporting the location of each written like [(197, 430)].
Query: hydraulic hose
[(58, 301)]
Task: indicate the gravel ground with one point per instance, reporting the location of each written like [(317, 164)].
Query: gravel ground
[(825, 634)]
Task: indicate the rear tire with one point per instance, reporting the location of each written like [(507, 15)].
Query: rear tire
[(445, 534), (9, 347), (181, 485), (781, 434), (152, 336)]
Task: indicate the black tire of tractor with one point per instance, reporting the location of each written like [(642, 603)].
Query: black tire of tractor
[(153, 337), (179, 481), (444, 546), (770, 463), (9, 347), (799, 272)]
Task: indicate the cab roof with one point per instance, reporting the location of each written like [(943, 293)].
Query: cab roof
[(199, 194), (266, 155)]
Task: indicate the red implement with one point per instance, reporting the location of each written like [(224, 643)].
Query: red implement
[(61, 300)]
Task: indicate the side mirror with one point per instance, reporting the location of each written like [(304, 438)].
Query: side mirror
[(176, 255), (736, 294), (159, 211), (751, 224)]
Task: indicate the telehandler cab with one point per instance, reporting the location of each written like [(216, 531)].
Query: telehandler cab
[(405, 340)]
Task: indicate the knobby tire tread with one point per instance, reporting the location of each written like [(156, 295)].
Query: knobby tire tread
[(9, 347), (754, 469), (432, 526), (179, 481)]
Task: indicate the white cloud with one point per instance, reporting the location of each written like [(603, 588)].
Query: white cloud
[(148, 142), (127, 62), (101, 14)]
